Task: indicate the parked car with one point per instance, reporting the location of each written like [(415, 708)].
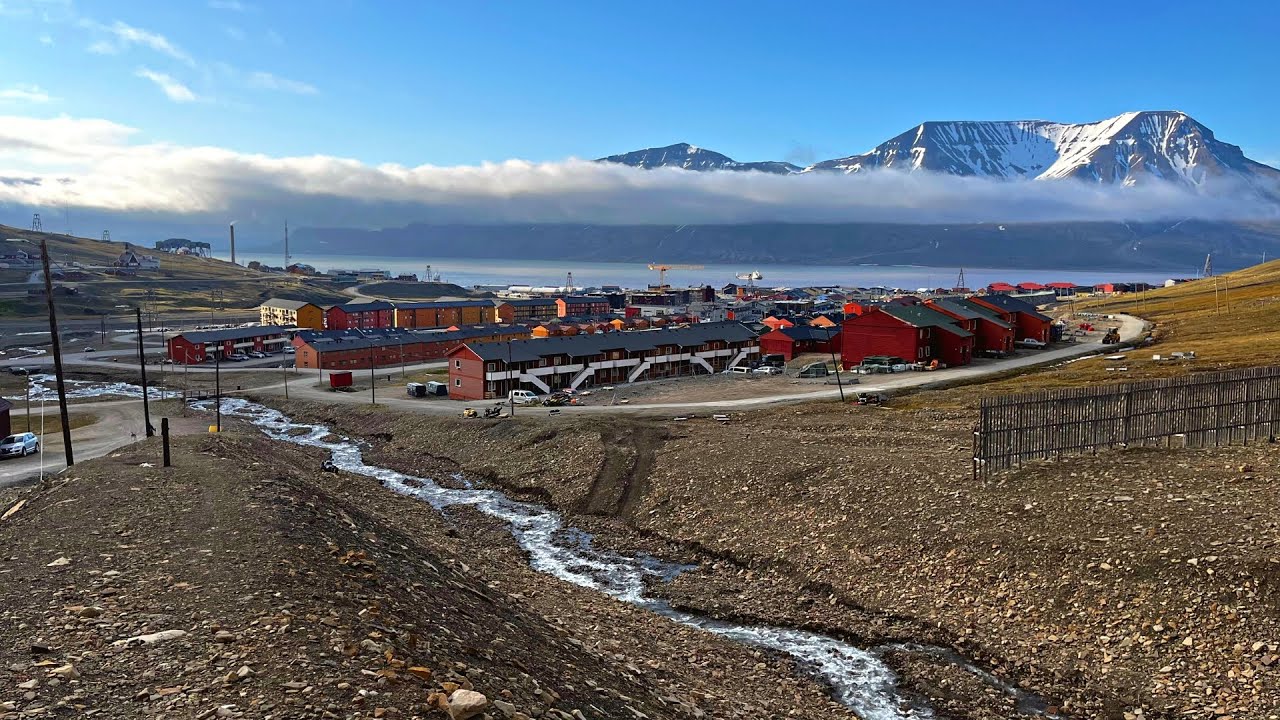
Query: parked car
[(237, 357), (19, 444), (902, 367), (257, 354), (767, 370), (19, 371), (523, 397), (740, 370), (1031, 343), (289, 350), (88, 349)]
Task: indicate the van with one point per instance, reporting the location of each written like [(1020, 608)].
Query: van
[(523, 397), (740, 370)]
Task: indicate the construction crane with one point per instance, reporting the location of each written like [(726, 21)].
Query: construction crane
[(662, 269)]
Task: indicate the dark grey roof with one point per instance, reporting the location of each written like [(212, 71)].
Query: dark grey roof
[(330, 340), (528, 302), (631, 341), (985, 313), (425, 304), (286, 304), (582, 299), (366, 306), (207, 336), (809, 332), (1012, 304), (921, 316), (952, 306)]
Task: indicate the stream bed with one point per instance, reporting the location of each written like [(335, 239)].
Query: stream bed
[(857, 678)]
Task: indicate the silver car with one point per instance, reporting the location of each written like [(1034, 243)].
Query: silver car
[(20, 444)]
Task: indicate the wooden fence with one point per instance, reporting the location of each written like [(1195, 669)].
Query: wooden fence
[(1201, 410)]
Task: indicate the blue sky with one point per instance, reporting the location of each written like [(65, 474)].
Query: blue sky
[(452, 83)]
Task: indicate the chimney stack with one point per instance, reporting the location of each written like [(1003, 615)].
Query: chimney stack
[(233, 243)]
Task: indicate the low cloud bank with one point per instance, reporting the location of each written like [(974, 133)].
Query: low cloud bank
[(93, 164)]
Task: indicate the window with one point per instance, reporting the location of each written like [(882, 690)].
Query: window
[(457, 382), (492, 367), (457, 364)]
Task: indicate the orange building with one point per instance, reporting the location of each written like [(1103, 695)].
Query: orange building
[(445, 313)]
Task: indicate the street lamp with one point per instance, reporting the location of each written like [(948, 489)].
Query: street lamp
[(834, 361)]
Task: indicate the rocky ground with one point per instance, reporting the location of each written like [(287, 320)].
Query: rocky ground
[(1132, 584), (244, 583)]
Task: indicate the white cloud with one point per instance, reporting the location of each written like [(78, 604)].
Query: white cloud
[(172, 88), (232, 5), (109, 171), (25, 93), (267, 81), (125, 36), (46, 39)]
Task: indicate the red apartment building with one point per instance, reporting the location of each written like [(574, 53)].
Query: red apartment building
[(527, 311), (912, 332), (582, 306), (360, 316), (1028, 323), (358, 349), (196, 347)]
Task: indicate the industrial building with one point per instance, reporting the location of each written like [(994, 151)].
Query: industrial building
[(489, 370), (527, 310)]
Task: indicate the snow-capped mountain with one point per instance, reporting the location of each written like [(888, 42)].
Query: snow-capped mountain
[(1133, 148), (691, 157), (1129, 149)]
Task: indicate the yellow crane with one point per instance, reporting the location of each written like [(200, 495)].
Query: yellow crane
[(662, 269)]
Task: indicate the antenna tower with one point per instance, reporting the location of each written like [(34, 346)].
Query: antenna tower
[(36, 225), (1208, 265), (960, 281), (286, 245), (106, 236), (568, 282)]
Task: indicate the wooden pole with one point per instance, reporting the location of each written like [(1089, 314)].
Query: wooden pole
[(164, 436), (142, 366), (57, 355)]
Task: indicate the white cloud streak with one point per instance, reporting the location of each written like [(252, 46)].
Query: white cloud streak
[(124, 36), (25, 93), (173, 89), (94, 164), (232, 6), (267, 81)]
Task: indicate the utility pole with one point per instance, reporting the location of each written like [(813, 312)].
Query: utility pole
[(217, 388), (142, 366), (373, 381), (834, 361), (28, 378), (57, 354), (510, 396)]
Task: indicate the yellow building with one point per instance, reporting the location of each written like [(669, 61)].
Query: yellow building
[(291, 312)]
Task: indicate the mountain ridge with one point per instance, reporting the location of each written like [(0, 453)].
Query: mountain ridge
[(1132, 148)]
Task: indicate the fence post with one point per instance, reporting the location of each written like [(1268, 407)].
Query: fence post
[(164, 437)]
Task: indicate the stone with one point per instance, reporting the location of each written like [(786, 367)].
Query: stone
[(91, 611), (150, 639), (505, 708), (465, 704), (29, 685), (223, 636), (60, 562), (67, 672)]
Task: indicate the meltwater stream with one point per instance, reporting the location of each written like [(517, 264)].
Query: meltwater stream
[(858, 679)]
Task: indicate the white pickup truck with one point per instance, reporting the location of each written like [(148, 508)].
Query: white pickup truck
[(523, 397)]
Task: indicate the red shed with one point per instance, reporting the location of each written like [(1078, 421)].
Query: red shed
[(340, 378), (798, 340)]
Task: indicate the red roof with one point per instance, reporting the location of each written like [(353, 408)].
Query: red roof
[(1060, 285), (1003, 287), (1030, 286)]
